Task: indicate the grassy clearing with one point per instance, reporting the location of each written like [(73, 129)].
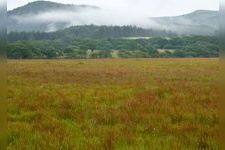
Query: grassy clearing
[(113, 104)]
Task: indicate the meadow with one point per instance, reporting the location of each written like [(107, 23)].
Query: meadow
[(127, 104)]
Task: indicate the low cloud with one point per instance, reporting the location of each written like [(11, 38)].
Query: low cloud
[(86, 17), (59, 19)]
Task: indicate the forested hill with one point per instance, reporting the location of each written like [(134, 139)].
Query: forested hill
[(45, 16), (199, 22), (47, 6), (89, 31)]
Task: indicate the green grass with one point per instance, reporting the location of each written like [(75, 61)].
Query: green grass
[(113, 104)]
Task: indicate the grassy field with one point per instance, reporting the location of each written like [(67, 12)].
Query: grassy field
[(113, 104)]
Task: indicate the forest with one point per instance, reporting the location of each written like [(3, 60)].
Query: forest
[(81, 42)]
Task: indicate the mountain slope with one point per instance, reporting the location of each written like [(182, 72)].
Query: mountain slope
[(44, 16), (44, 6), (200, 22)]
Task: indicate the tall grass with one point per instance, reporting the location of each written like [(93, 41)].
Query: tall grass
[(113, 104)]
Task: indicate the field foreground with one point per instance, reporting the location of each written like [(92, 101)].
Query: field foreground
[(113, 104)]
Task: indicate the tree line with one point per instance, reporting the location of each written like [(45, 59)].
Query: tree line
[(81, 48)]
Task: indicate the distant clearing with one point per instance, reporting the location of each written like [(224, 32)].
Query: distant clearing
[(135, 38)]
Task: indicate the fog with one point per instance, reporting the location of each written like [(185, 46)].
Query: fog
[(123, 12), (60, 19), (84, 17), (147, 8)]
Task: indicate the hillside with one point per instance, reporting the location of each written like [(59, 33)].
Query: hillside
[(44, 16), (44, 6), (200, 22)]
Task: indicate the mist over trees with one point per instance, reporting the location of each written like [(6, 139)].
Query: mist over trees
[(45, 29), (46, 16)]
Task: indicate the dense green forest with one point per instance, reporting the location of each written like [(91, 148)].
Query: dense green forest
[(109, 42), (90, 31), (116, 48)]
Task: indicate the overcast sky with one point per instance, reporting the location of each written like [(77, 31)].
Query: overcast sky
[(150, 8)]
